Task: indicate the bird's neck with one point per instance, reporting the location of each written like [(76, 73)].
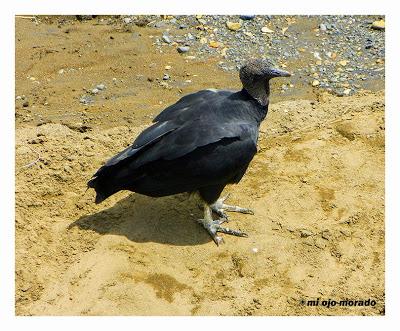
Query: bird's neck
[(259, 91)]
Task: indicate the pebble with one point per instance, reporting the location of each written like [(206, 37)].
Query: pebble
[(18, 97), (378, 25), (95, 91), (25, 104), (315, 82), (247, 17), (214, 44), (167, 67), (233, 26), (61, 71), (347, 91), (127, 20), (166, 77), (265, 29), (322, 27), (305, 233), (183, 49), (166, 38), (100, 87), (369, 44)]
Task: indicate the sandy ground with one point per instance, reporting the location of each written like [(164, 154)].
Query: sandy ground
[(316, 186)]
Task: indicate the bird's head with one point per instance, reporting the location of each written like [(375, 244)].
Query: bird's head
[(255, 76), (261, 69)]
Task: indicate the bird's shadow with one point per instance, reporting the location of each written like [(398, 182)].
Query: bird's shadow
[(168, 220)]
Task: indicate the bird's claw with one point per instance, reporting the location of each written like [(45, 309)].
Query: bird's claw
[(214, 226), (219, 208)]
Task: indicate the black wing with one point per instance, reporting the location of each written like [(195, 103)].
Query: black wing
[(194, 105)]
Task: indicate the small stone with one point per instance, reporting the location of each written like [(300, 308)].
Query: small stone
[(254, 250), (166, 39), (322, 27), (233, 26), (25, 104), (183, 49), (167, 67), (378, 25), (127, 20), (265, 29), (190, 36), (166, 77), (95, 91), (247, 17), (315, 82), (214, 44), (18, 97), (369, 44), (61, 71), (248, 34), (101, 87), (183, 26), (347, 91), (202, 21), (305, 233)]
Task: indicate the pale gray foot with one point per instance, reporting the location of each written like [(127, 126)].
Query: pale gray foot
[(214, 226), (219, 208)]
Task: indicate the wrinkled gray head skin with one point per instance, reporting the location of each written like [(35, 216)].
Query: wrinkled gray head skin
[(255, 76)]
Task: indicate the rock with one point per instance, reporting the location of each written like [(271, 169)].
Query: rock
[(167, 67), (183, 49), (86, 100), (25, 104), (160, 24), (315, 82), (61, 71), (214, 44), (166, 39), (247, 17), (190, 37), (322, 27), (369, 44), (183, 26), (233, 26), (18, 97), (379, 25), (166, 77), (265, 29), (127, 20), (305, 233), (346, 91), (100, 87), (95, 91)]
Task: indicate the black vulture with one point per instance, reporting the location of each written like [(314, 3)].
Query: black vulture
[(201, 143)]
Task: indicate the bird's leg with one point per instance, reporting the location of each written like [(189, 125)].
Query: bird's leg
[(214, 226), (219, 208)]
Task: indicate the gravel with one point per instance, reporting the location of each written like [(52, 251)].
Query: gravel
[(341, 52)]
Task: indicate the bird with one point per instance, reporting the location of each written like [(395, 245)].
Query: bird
[(200, 144)]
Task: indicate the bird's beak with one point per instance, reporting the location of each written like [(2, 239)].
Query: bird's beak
[(279, 73)]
